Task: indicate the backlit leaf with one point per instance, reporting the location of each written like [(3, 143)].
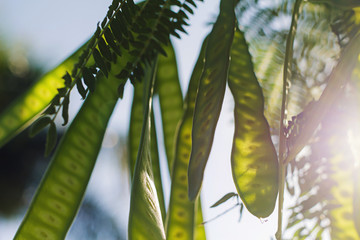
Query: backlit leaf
[(111, 41), (67, 79)]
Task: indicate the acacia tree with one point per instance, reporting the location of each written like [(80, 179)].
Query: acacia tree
[(296, 77)]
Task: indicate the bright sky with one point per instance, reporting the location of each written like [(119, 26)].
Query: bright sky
[(51, 30)]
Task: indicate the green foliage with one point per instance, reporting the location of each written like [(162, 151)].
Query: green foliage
[(282, 92)]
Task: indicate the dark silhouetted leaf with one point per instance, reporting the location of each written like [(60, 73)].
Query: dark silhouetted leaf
[(39, 125), (67, 79), (89, 79), (104, 49), (50, 110), (65, 110), (80, 88), (51, 138), (116, 30), (100, 62), (111, 41)]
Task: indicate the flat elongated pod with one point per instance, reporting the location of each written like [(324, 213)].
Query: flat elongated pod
[(155, 162), (253, 157), (62, 188), (23, 111), (170, 98), (200, 233), (145, 221), (136, 121), (210, 94), (182, 216)]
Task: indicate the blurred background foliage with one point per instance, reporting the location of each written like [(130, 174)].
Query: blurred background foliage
[(322, 181)]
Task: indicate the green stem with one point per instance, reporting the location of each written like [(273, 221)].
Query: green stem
[(282, 145)]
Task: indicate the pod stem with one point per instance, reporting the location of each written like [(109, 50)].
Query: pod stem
[(282, 139)]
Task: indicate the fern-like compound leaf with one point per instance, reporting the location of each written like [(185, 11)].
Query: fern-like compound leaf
[(182, 215)]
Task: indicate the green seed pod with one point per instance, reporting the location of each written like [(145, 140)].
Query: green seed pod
[(210, 94), (182, 215), (253, 158), (62, 188), (100, 62), (24, 110), (136, 122), (80, 88), (145, 221)]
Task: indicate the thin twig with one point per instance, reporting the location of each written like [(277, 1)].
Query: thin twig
[(286, 77), (221, 214)]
